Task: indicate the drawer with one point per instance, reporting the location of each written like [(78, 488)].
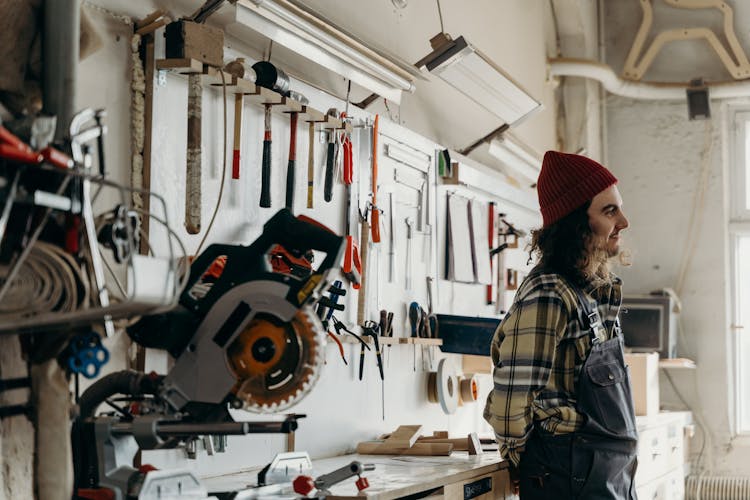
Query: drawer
[(675, 445), (670, 486), (653, 490), (653, 454), (674, 484), (498, 483)]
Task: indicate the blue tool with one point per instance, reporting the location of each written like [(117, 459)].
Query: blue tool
[(88, 355)]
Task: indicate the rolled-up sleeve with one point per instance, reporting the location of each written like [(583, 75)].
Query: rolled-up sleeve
[(523, 354)]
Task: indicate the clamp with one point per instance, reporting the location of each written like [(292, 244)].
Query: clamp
[(305, 484)]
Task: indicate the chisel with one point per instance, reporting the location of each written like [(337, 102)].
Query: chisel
[(265, 168), (310, 164), (292, 158)]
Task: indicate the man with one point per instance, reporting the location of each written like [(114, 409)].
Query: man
[(561, 405)]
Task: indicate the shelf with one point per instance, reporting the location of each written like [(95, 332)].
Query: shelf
[(677, 363), (348, 339), (252, 92)]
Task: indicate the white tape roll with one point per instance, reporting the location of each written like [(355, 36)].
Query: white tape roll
[(447, 386)]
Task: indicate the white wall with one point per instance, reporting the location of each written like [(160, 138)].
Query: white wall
[(341, 410), (658, 154)]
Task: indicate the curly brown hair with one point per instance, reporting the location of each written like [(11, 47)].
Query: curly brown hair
[(567, 247)]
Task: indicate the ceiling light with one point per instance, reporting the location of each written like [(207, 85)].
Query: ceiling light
[(300, 31), (472, 73), (516, 158)]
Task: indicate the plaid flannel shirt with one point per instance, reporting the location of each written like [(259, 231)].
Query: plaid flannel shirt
[(537, 353)]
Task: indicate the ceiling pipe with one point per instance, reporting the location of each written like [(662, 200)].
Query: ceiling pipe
[(60, 47), (662, 91)]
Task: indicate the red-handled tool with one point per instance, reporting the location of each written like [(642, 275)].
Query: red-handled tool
[(292, 160), (265, 168), (352, 266), (237, 135), (375, 215), (13, 148)]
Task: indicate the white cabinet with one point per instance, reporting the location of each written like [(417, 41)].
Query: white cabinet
[(661, 456)]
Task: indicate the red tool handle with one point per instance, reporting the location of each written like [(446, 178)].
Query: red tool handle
[(7, 137), (11, 152), (237, 136), (348, 160), (292, 160), (375, 220), (352, 266), (265, 168)]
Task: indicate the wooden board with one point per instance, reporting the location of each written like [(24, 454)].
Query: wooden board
[(404, 437), (419, 449)]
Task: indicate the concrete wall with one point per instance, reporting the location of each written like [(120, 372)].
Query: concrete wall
[(658, 156)]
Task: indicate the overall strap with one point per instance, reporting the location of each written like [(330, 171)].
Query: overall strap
[(588, 315)]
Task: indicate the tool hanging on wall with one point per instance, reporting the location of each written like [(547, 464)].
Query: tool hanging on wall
[(375, 213), (236, 68), (271, 77), (193, 173), (491, 241), (352, 265), (391, 241), (292, 157), (265, 168), (310, 163), (331, 152), (407, 273)]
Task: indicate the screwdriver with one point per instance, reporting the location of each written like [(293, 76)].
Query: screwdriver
[(415, 317)]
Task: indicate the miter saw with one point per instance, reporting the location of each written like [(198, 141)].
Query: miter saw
[(243, 337)]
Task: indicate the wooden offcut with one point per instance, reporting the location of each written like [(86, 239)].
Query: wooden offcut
[(405, 436), (419, 449)]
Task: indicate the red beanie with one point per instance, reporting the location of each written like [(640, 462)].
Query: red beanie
[(567, 181)]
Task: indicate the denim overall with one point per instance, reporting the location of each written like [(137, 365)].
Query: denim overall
[(598, 461)]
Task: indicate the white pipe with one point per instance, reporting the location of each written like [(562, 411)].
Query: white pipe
[(641, 90)]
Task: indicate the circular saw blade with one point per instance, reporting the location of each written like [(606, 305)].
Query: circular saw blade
[(276, 363)]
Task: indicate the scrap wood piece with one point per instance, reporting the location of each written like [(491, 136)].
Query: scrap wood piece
[(419, 449), (459, 444), (404, 437), (475, 447)]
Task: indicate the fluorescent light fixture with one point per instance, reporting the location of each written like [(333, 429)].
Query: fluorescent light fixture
[(300, 31), (516, 158), (472, 73)]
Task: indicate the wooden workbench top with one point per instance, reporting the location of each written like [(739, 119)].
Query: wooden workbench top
[(393, 477)]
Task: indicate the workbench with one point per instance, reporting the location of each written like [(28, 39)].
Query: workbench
[(458, 476)]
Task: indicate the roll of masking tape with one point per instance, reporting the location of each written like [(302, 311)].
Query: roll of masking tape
[(469, 388)]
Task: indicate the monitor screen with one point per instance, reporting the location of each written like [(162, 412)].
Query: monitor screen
[(642, 326)]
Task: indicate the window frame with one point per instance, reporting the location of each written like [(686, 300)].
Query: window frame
[(739, 228)]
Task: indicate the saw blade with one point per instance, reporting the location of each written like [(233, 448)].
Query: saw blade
[(276, 363)]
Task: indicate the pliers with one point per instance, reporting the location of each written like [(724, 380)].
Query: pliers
[(370, 329), (339, 326)]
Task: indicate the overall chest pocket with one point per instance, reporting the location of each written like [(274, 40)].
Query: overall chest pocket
[(611, 401)]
